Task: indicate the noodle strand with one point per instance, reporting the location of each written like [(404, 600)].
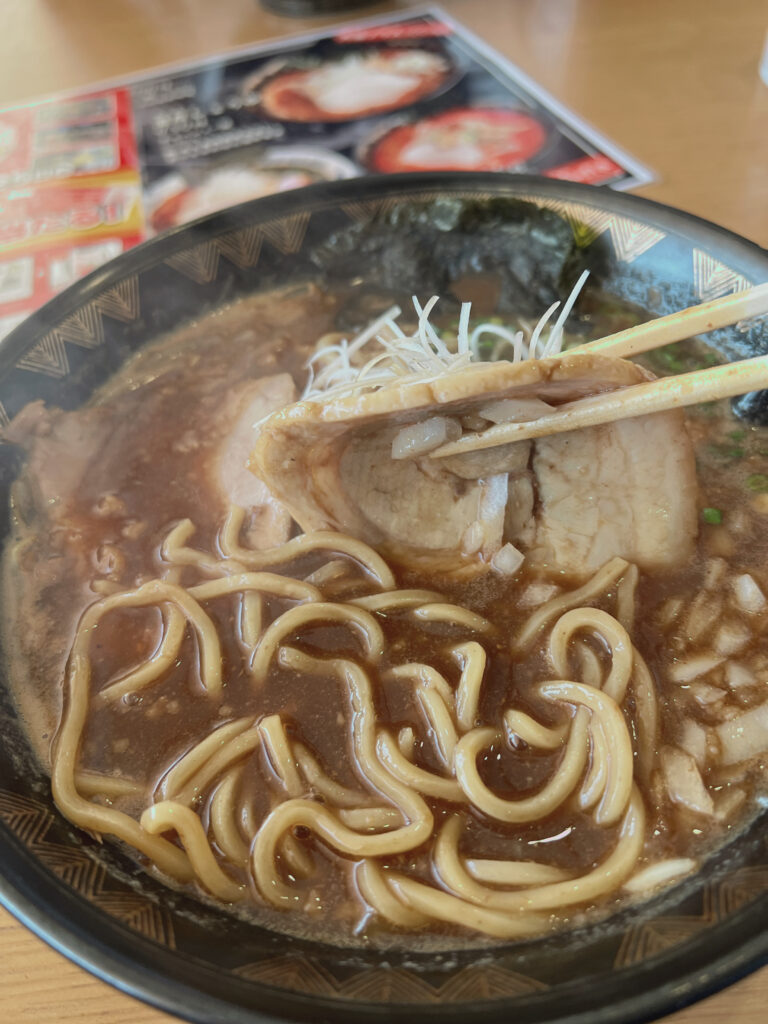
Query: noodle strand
[(553, 794)]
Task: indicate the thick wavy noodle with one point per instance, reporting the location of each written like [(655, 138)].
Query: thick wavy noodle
[(250, 811)]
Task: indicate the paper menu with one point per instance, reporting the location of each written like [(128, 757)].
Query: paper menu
[(85, 177)]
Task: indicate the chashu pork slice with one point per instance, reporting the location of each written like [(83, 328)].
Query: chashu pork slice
[(626, 488), (570, 502), (246, 408), (91, 448)]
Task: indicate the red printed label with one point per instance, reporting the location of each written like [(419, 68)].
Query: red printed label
[(67, 139), (43, 214), (590, 170), (29, 278), (382, 33), (15, 143)]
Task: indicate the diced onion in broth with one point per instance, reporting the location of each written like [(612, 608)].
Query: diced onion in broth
[(420, 438)]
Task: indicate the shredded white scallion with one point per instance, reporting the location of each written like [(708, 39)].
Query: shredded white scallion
[(514, 339), (424, 355), (463, 335), (555, 340)]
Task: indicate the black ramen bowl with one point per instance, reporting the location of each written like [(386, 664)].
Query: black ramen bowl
[(406, 234)]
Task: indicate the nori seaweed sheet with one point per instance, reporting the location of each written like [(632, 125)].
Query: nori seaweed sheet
[(424, 248)]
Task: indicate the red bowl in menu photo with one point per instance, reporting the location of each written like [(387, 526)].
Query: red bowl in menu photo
[(358, 84), (191, 192), (460, 139)]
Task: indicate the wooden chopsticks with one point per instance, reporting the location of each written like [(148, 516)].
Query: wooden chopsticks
[(653, 396), (708, 316), (636, 400)]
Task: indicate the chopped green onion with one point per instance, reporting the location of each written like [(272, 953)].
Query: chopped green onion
[(668, 359), (713, 516), (704, 409), (758, 482)]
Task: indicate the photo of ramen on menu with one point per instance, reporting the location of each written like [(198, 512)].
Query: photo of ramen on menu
[(83, 178)]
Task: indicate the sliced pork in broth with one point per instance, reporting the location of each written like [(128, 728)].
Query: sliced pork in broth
[(361, 464), (251, 404)]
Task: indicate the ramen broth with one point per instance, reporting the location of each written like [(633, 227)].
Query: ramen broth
[(143, 458)]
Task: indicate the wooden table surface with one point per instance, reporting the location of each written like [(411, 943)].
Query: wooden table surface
[(675, 82)]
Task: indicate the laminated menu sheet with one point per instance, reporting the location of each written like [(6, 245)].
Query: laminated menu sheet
[(83, 177)]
